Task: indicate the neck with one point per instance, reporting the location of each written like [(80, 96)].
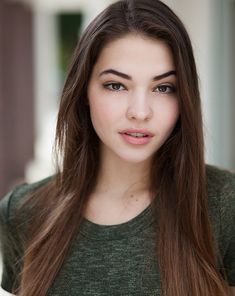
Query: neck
[(120, 176)]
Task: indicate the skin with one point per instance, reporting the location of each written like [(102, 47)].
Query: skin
[(133, 100)]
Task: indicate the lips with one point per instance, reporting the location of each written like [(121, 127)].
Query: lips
[(136, 136), (137, 133)]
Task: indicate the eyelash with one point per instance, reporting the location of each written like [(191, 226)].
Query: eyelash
[(109, 86)]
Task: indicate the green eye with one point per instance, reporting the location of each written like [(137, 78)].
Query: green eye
[(114, 86)]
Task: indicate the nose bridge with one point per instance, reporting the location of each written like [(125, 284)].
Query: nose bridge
[(139, 105)]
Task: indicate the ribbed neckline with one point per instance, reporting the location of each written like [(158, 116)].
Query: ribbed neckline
[(118, 231)]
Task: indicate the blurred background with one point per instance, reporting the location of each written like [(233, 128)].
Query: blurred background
[(37, 38)]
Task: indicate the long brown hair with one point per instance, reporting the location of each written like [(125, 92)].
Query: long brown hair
[(185, 247)]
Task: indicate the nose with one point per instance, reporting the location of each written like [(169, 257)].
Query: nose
[(139, 107)]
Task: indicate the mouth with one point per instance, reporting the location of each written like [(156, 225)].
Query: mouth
[(136, 137), (140, 133)]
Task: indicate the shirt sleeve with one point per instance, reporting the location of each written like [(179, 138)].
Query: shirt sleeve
[(8, 243), (229, 262), (228, 229), (13, 232)]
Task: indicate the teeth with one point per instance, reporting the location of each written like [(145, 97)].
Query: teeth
[(137, 135)]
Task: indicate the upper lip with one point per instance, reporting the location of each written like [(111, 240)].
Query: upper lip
[(137, 130)]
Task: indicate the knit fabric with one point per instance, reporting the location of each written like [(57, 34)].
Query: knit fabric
[(120, 259)]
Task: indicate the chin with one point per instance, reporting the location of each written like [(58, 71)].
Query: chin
[(135, 159)]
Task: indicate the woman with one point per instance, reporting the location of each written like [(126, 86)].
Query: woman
[(132, 209)]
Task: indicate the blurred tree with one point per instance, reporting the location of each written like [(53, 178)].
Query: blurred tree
[(69, 30)]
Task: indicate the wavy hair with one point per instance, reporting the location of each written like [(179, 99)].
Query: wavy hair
[(185, 247)]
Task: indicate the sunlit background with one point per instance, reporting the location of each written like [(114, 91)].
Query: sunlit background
[(37, 38)]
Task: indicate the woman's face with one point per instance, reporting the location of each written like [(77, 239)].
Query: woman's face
[(132, 97)]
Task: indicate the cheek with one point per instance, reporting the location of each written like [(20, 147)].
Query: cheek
[(174, 113), (102, 113), (168, 114)]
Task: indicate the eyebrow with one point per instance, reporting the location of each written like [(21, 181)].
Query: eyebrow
[(128, 77)]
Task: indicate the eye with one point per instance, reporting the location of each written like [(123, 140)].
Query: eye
[(113, 86), (165, 89)]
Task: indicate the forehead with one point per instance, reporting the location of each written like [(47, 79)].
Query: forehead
[(133, 52)]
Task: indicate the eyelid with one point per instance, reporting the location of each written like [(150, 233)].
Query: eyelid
[(113, 82), (171, 84)]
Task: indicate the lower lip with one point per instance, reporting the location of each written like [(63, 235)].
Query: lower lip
[(135, 140)]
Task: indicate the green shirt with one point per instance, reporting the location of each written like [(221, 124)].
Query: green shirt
[(119, 259)]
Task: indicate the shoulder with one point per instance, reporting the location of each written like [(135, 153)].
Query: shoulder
[(221, 190), (221, 204), (10, 201), (13, 231), (219, 181)]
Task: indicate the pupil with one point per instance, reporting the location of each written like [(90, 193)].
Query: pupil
[(116, 86), (162, 88)]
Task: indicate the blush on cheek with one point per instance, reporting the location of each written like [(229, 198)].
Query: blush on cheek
[(101, 117), (174, 117), (172, 112), (169, 116), (101, 113)]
